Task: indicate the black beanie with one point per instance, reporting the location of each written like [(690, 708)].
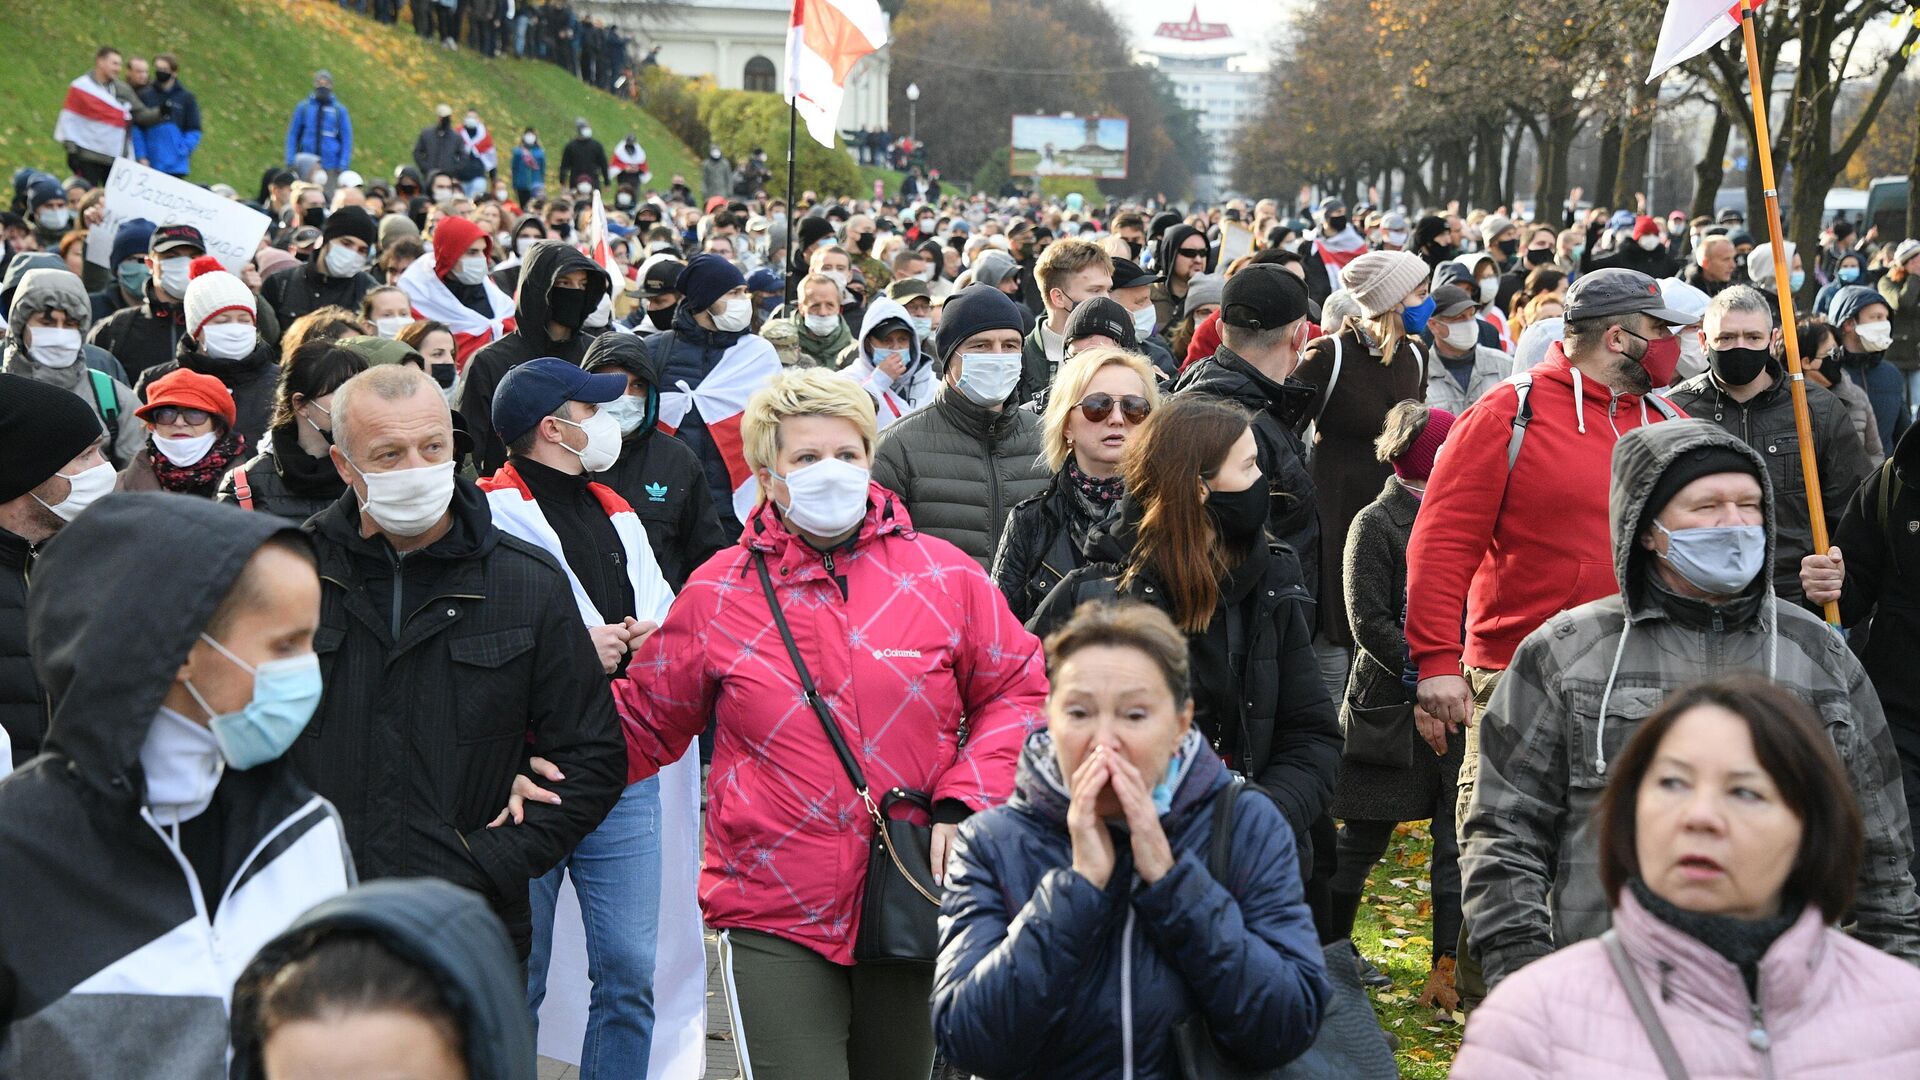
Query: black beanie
[(970, 311), (45, 427), (1688, 467), (351, 221), (706, 279)]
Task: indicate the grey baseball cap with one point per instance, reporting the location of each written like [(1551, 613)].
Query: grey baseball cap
[(1619, 291), (1449, 300)]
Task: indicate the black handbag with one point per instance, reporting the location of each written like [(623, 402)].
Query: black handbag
[(1380, 734), (1200, 1057), (898, 921)]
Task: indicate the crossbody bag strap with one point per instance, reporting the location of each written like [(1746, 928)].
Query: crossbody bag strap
[(1643, 1007), (806, 685), (1226, 808)]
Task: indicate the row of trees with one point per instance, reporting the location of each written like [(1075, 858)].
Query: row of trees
[(978, 62), (1460, 95)]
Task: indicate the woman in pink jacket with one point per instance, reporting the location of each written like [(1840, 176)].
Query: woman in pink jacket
[(1729, 843), (931, 682)]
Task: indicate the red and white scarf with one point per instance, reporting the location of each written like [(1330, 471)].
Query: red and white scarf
[(517, 514), (719, 399), (1338, 250), (93, 119), (431, 299), (481, 146)]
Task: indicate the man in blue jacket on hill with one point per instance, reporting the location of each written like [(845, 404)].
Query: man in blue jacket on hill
[(321, 127), (169, 143)]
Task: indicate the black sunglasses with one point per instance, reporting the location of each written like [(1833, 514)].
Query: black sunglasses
[(1097, 407), (170, 414), (1194, 253)]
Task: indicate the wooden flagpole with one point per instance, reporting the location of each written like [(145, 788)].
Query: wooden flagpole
[(1782, 266)]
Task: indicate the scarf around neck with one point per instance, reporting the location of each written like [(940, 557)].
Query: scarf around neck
[(200, 477)]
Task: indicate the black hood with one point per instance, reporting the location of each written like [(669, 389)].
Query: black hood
[(548, 260), (442, 928), (628, 353), (1170, 242), (119, 596), (408, 172), (522, 222)]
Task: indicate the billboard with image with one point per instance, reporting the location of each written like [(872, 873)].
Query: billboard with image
[(1094, 146)]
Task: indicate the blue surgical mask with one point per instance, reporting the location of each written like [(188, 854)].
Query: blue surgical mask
[(633, 413), (922, 326), (1719, 560), (1796, 279), (133, 276), (1849, 273), (1163, 791), (285, 694), (1415, 318)]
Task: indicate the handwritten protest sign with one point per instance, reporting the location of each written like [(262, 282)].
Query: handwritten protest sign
[(232, 231)]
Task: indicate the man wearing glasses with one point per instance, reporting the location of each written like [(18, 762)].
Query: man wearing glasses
[(1745, 391)]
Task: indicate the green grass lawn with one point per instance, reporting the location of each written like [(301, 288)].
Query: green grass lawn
[(251, 61), (1393, 930)]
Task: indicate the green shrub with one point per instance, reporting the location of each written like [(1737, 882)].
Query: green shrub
[(737, 121)]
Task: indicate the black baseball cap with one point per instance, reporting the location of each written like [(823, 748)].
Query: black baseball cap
[(167, 237), (1619, 291), (1263, 296), (1128, 274), (1451, 300), (660, 276), (1104, 316)]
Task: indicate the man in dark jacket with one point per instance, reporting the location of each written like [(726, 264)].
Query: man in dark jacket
[(1644, 249), (1745, 391), (559, 288), (440, 148), (657, 475), (1263, 330), (144, 335), (159, 837), (337, 275), (962, 463), (450, 652), (169, 143), (583, 156), (48, 437)]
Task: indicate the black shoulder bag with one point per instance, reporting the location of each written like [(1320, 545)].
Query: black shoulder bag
[(897, 923), (1199, 1055)]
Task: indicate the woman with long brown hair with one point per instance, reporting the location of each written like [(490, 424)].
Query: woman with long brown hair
[(1190, 538)]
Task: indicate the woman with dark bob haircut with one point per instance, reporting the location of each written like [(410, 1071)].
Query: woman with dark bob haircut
[(1729, 841)]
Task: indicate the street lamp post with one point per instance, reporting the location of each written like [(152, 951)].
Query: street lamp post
[(913, 109)]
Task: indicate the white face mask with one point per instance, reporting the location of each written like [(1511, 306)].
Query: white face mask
[(87, 487), (825, 498), (174, 276), (1489, 288), (1649, 243), (407, 502), (529, 138), (1397, 239), (822, 325), (524, 244), (987, 378), (1461, 336), (470, 270), (343, 261), (586, 133), (1693, 355), (602, 313), (185, 451), (1144, 322), (228, 341), (603, 441), (737, 316), (389, 326), (52, 346), (629, 412), (1875, 336)]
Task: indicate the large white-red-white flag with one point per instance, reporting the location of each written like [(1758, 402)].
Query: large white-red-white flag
[(93, 119), (824, 40), (719, 400), (1691, 28)]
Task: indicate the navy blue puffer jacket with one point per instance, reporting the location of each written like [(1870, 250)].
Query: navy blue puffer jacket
[(1043, 975)]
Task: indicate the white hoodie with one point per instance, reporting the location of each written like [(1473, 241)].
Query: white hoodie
[(893, 399)]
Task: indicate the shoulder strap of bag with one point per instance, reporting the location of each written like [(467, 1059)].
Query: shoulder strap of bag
[(1332, 381), (1522, 415), (242, 491), (806, 685), (1226, 811), (1885, 496), (1656, 1031), (107, 399)]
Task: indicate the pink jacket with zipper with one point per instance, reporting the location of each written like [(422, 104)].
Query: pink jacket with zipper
[(1829, 1007), (921, 644)]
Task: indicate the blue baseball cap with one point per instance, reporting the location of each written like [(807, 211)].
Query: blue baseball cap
[(532, 391)]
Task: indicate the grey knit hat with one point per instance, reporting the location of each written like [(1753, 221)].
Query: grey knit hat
[(1380, 279), (1205, 289)]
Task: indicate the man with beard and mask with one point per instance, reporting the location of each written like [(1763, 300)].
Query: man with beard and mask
[(441, 148), (45, 326), (583, 156), (656, 474), (160, 837), (1332, 246), (51, 468), (659, 300), (559, 288), (223, 341), (1480, 545), (320, 126), (451, 651), (1692, 522), (1182, 256), (337, 276), (1745, 391)]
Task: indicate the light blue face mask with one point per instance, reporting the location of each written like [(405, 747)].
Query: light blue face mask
[(285, 694), (1849, 273), (1163, 791), (922, 326), (1796, 279), (1719, 560)]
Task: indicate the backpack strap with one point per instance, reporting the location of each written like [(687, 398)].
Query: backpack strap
[(106, 398), (1226, 812), (1522, 416), (242, 491)]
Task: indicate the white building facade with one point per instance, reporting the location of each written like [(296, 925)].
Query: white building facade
[(1212, 74), (742, 45)]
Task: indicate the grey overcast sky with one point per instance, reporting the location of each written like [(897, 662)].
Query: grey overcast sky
[(1251, 22)]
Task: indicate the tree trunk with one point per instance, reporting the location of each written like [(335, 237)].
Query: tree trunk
[(1415, 185), (1563, 126), (1606, 189), (1487, 166), (1509, 176), (1913, 189), (1708, 171)]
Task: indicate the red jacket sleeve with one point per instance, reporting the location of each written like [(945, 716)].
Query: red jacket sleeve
[(1455, 529), (1002, 674), (669, 689)]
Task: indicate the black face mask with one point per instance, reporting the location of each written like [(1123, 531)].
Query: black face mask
[(561, 231), (162, 78), (315, 216), (1134, 247), (1240, 515), (661, 318), (568, 307), (443, 374), (1539, 256), (323, 95), (1336, 223), (1737, 367), (863, 243), (1443, 252), (1509, 248)]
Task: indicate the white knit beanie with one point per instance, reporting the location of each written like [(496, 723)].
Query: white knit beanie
[(1379, 280), (1760, 265), (212, 291)]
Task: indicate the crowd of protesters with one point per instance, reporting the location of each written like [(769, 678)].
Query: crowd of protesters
[(805, 572)]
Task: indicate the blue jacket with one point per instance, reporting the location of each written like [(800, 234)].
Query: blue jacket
[(169, 144), (323, 130), (1043, 975), (528, 175)]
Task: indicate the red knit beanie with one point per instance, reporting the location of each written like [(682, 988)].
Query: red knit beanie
[(451, 239), (1417, 462), (1645, 226)]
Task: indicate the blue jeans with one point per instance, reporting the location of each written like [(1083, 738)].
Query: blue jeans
[(616, 874), (520, 34)]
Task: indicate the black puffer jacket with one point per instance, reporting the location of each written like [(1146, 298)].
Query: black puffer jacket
[(658, 476), (283, 479), (1280, 411), (295, 290), (23, 704), (253, 379), (527, 341), (961, 469), (1037, 549), (442, 671)]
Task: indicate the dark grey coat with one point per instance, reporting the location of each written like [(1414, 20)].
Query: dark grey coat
[(961, 469)]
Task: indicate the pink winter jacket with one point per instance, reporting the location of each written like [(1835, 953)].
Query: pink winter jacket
[(922, 645), (1830, 1007)]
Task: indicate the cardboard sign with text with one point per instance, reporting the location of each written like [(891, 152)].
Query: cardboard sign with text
[(232, 230)]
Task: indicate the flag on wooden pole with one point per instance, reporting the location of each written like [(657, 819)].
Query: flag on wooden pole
[(1690, 28), (824, 40)]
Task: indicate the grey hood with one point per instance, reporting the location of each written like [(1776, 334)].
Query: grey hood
[(46, 289), (1640, 459)]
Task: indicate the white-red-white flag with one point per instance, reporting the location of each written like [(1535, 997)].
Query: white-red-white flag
[(93, 119), (824, 40), (1691, 28)]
